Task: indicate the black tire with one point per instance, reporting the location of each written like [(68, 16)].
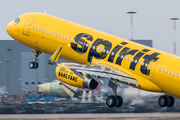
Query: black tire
[(119, 101), (111, 101), (36, 65), (171, 102), (31, 65), (163, 101)]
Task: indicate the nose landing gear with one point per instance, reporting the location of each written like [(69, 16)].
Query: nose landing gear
[(34, 64)]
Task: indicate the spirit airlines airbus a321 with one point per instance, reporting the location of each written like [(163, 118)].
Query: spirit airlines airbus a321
[(96, 55)]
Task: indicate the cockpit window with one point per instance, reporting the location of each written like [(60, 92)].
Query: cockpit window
[(17, 20)]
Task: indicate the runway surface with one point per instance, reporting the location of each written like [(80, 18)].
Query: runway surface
[(104, 116)]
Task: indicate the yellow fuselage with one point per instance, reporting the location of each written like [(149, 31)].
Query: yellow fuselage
[(155, 70)]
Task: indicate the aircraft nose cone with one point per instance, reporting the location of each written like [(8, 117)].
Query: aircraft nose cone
[(8, 27)]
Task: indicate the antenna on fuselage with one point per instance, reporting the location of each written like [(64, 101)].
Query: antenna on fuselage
[(45, 12)]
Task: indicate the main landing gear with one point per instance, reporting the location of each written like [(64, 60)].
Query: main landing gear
[(166, 101), (114, 100), (34, 64)]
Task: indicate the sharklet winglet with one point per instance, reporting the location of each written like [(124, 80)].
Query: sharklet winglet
[(54, 58)]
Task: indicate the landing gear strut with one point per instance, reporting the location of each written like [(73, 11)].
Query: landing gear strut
[(34, 64), (114, 100), (166, 101)]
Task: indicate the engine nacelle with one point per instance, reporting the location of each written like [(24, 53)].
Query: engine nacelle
[(66, 75)]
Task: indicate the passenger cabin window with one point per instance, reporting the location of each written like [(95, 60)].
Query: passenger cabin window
[(117, 55), (43, 30), (47, 32), (100, 49), (160, 69), (66, 38), (112, 53), (37, 28), (178, 75), (164, 70), (33, 27), (174, 74), (104, 50), (142, 63), (122, 56), (53, 34), (128, 59), (170, 73), (107, 51), (167, 72), (63, 37), (40, 29), (135, 61), (50, 33), (146, 65), (59, 36), (70, 40), (56, 35)]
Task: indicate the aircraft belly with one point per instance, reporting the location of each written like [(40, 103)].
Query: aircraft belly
[(168, 85)]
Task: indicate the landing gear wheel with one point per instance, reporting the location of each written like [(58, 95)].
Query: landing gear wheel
[(36, 65), (163, 101), (119, 101), (171, 101), (111, 101), (31, 65)]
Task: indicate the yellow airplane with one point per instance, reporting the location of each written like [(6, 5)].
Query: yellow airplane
[(95, 55)]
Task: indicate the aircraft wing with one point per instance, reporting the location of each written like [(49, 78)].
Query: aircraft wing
[(97, 70), (102, 69)]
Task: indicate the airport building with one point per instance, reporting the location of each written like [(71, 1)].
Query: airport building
[(15, 73)]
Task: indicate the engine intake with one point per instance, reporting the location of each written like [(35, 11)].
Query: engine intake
[(91, 84)]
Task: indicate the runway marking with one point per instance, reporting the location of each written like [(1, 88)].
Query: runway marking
[(95, 115)]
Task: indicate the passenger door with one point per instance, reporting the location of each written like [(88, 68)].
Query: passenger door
[(27, 25), (151, 68), (81, 45)]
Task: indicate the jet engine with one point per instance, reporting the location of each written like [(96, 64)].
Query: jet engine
[(75, 78)]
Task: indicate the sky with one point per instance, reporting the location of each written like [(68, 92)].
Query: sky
[(152, 21)]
